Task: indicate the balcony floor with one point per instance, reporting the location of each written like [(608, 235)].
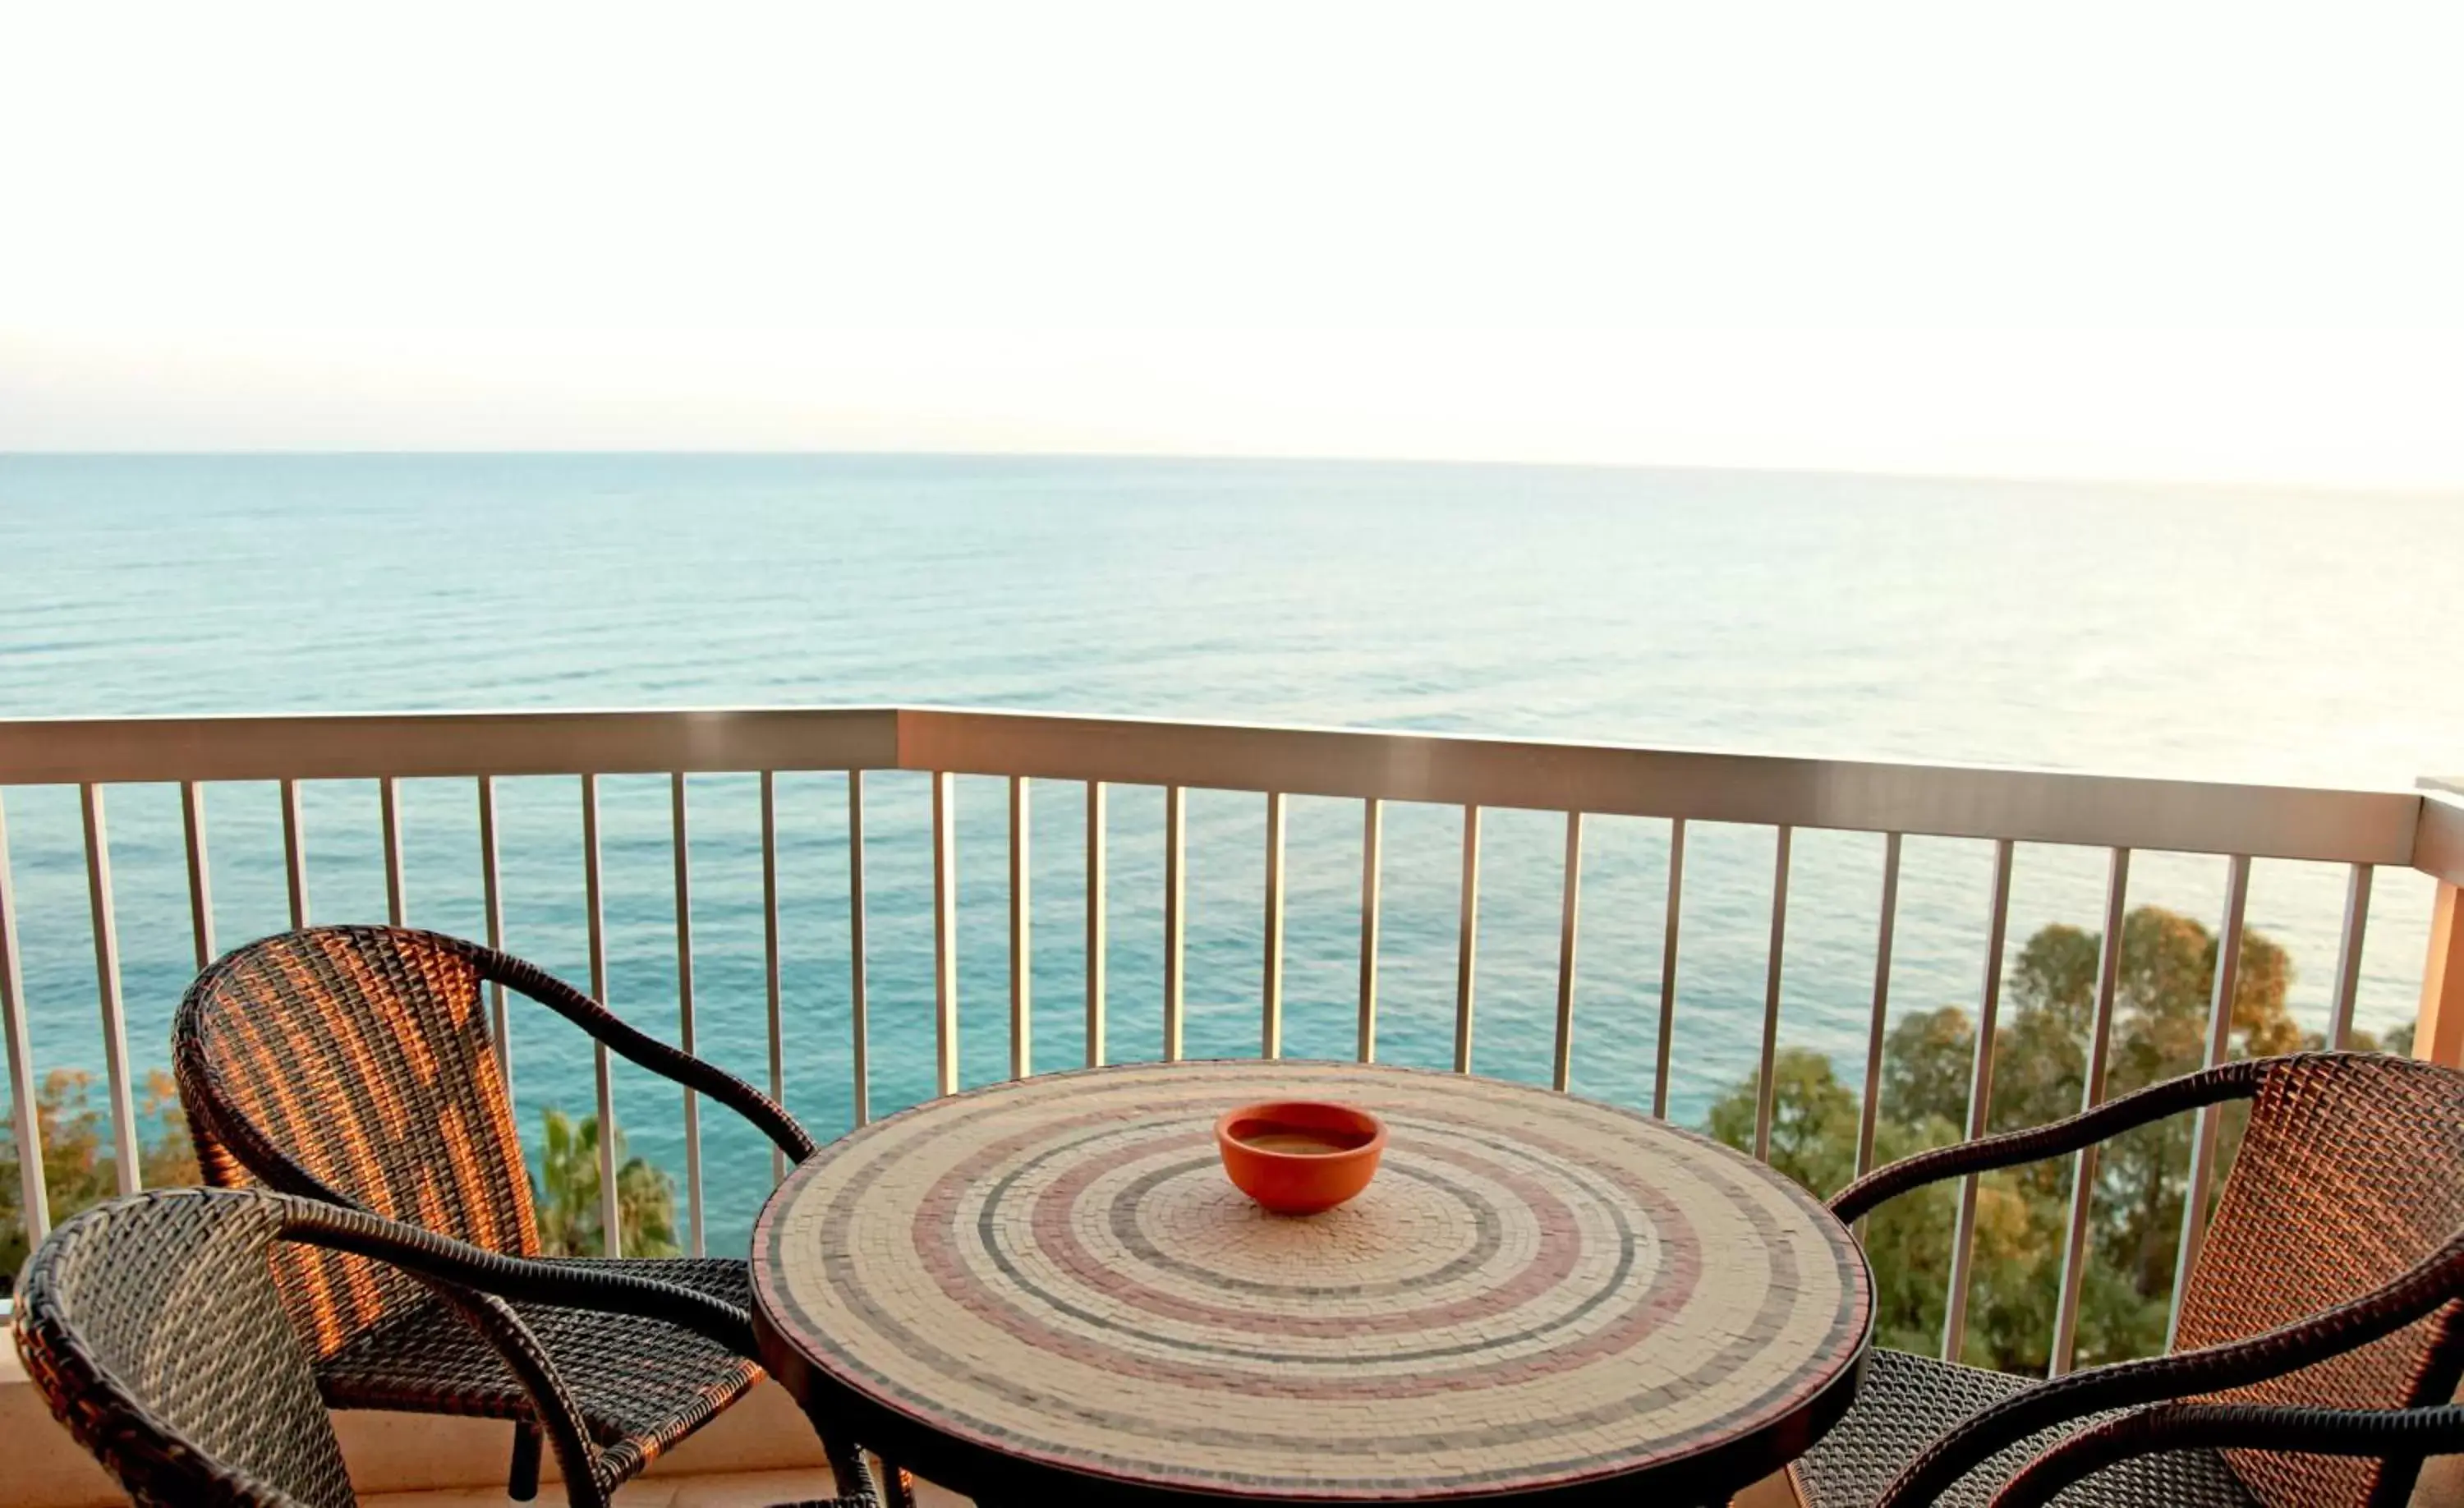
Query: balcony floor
[(722, 1490), (762, 1489)]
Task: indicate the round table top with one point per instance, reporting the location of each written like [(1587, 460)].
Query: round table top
[(1537, 1292)]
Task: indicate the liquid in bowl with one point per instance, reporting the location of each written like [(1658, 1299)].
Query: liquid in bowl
[(1300, 1156)]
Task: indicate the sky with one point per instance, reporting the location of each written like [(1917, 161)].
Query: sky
[(2148, 240)]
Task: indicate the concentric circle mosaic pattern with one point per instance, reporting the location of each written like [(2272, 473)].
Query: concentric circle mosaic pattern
[(1536, 1290)]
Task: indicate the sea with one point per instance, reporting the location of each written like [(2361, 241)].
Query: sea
[(2225, 634)]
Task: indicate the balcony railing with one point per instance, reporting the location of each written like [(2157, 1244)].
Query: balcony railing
[(2361, 830)]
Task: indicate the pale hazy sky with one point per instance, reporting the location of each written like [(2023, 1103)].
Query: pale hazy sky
[(2137, 240)]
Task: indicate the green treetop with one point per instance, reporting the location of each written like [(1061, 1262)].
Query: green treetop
[(2166, 979)]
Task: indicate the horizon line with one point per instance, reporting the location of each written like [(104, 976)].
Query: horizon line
[(2420, 489)]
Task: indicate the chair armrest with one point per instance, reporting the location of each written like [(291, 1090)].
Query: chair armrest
[(2233, 1081), (559, 1418), (641, 1049), (2434, 1281), (442, 1258), (2226, 1426)]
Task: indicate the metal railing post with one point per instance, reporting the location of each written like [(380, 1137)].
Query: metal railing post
[(1021, 930), (106, 974), (492, 900), (1372, 831), (1467, 940), (1980, 1105), (201, 883), (859, 1025), (945, 933), (1870, 1105), (389, 814), (1664, 1053), (1099, 944), (685, 1036), (2438, 1033), (611, 1223), (33, 1203), (2206, 1124), (1271, 1033), (774, 1012), (2349, 958), (295, 853), (1176, 915), (2076, 1254), (1767, 1080), (1568, 923)]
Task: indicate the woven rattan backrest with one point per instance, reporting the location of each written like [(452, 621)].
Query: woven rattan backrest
[(356, 1062), (2351, 1172), (154, 1329)]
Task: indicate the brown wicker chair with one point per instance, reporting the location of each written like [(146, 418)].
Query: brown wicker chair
[(2322, 1336), (353, 1064), (155, 1330)]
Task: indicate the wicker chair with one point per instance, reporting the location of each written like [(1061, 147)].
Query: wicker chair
[(2321, 1338), (155, 1330), (353, 1064)]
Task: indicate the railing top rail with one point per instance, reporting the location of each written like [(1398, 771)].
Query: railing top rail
[(1938, 800), (2346, 826), (330, 746)]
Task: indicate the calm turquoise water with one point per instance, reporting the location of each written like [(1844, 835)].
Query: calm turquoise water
[(2220, 635)]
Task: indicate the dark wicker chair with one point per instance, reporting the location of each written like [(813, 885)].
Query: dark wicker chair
[(154, 1327), (353, 1064), (2321, 1339)]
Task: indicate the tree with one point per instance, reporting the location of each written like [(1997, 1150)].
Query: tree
[(567, 1195), (78, 1171), (2165, 985), (78, 1168), (1814, 1140), (2165, 982)]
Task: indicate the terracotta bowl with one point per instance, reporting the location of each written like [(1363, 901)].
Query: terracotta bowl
[(1300, 1156)]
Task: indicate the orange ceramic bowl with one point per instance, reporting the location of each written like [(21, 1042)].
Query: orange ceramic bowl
[(1300, 1156)]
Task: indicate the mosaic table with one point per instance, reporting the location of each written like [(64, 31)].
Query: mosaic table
[(1048, 1291)]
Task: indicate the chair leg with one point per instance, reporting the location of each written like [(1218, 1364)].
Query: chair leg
[(521, 1483), (854, 1475), (897, 1486), (850, 1475)]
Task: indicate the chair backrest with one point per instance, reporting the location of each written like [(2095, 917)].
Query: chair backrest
[(354, 1064), (2352, 1172), (153, 1326)]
